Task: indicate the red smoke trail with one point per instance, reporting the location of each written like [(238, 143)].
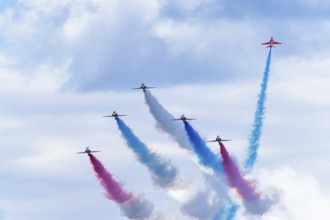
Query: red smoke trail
[(253, 201), (244, 188), (114, 189)]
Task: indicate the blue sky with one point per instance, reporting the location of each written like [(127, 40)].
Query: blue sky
[(6, 3), (66, 63)]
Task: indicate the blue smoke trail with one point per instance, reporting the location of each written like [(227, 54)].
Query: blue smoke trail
[(193, 208), (232, 212), (163, 173), (229, 214), (205, 156), (208, 159), (258, 119)]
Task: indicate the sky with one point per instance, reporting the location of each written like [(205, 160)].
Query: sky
[(66, 63)]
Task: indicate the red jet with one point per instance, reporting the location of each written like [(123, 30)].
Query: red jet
[(271, 43)]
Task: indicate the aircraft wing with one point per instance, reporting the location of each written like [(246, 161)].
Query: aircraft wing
[(266, 43), (94, 151), (226, 140), (81, 153), (107, 116), (212, 141), (147, 87), (275, 42), (180, 119)]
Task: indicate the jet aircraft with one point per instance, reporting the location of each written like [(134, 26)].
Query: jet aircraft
[(218, 139), (183, 118), (88, 151), (271, 43), (114, 114), (144, 87)]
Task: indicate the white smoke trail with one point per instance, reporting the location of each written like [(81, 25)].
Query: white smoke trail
[(210, 204), (137, 208), (164, 121), (216, 207)]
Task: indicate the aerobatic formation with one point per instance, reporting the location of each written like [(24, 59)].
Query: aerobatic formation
[(228, 187)]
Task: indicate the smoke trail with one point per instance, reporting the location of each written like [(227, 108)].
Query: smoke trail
[(231, 213), (165, 122), (132, 207), (258, 119), (208, 159), (203, 206), (137, 208), (253, 201), (216, 208), (205, 156), (114, 189), (163, 173), (211, 204)]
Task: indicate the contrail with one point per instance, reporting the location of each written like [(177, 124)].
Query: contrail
[(131, 206), (164, 174), (208, 159), (212, 203), (253, 200), (214, 208), (205, 156), (114, 190), (164, 121), (258, 119)]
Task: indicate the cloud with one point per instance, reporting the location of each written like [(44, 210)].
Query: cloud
[(301, 196), (42, 132), (209, 58), (85, 34), (97, 42)]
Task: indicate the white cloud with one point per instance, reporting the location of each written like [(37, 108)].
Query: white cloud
[(46, 43), (64, 123), (301, 196), (95, 40)]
